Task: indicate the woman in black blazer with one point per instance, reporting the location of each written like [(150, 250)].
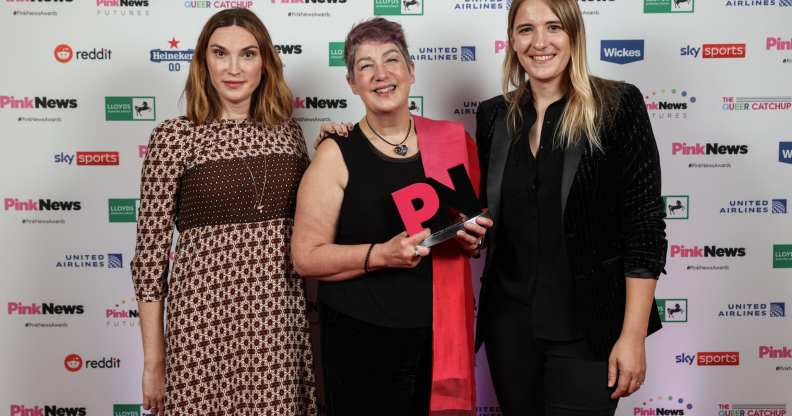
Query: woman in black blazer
[(571, 175)]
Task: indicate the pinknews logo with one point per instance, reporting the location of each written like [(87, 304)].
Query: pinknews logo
[(708, 149), (19, 308), (14, 204), (142, 150), (501, 45), (9, 101), (22, 410), (679, 250), (768, 351), (778, 44)]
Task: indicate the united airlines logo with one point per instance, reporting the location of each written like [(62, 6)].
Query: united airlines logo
[(468, 53), (622, 51), (115, 261), (779, 206), (777, 309)]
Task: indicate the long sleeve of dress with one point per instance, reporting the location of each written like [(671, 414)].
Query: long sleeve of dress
[(159, 187)]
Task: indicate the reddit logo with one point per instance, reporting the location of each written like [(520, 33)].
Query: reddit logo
[(63, 53), (73, 363)]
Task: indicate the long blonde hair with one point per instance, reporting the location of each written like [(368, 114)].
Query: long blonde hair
[(271, 103), (588, 97)]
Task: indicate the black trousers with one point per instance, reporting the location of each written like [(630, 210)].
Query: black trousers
[(539, 377), (374, 370)]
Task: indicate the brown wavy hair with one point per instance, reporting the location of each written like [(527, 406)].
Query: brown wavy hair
[(271, 103), (588, 97)]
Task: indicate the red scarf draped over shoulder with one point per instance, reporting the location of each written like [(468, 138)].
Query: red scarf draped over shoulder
[(443, 145)]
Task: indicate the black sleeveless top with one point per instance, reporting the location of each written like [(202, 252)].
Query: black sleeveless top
[(395, 298)]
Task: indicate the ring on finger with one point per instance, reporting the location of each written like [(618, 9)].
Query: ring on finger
[(417, 254)]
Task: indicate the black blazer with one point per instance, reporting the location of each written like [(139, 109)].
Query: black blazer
[(611, 207)]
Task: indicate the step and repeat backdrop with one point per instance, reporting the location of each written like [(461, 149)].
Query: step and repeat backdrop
[(84, 82)]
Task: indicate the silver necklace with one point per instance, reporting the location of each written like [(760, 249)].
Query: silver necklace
[(400, 149), (259, 196)]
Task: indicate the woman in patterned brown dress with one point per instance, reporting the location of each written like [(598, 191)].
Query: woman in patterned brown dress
[(237, 339)]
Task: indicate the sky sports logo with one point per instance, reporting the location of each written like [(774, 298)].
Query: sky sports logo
[(715, 51), (709, 358), (622, 51), (88, 158)]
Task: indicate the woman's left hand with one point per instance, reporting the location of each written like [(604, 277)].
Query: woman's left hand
[(471, 237), (627, 365)]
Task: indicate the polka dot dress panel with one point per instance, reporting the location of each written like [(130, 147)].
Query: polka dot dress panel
[(238, 340)]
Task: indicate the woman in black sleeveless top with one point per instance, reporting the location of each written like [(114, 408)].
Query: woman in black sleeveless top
[(375, 292)]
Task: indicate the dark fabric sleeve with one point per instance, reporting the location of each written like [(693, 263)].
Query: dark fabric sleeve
[(483, 116), (643, 217)]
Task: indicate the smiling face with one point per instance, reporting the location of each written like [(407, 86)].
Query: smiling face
[(382, 77), (235, 65), (540, 42)]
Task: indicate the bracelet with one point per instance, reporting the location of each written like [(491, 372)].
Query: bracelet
[(368, 255)]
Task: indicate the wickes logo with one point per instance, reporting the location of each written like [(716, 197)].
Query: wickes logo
[(622, 51), (19, 308), (316, 102), (679, 250), (9, 101), (22, 410), (14, 204)]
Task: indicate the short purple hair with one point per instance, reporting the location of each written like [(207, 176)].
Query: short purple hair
[(379, 30)]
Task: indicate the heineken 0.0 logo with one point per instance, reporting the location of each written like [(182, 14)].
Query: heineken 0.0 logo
[(130, 109)]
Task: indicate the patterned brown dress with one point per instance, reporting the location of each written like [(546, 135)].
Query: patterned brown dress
[(237, 335)]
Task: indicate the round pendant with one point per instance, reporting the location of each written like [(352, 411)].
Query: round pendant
[(401, 149)]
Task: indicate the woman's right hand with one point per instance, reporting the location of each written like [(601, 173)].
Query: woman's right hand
[(401, 251), (154, 388), (326, 129)]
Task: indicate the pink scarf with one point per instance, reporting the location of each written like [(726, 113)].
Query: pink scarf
[(443, 145)]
